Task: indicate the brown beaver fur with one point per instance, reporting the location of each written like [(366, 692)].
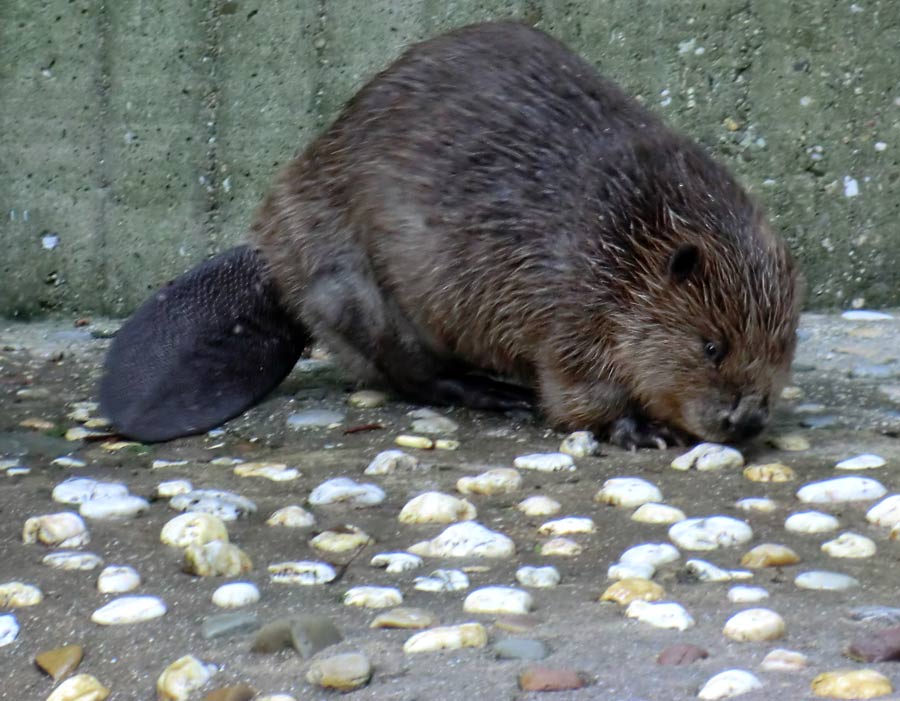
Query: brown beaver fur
[(488, 206)]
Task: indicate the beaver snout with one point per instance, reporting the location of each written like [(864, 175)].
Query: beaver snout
[(746, 419)]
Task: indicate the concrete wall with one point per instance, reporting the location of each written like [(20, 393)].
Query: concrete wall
[(137, 136)]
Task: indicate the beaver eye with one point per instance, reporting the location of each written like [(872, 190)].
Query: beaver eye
[(713, 351)]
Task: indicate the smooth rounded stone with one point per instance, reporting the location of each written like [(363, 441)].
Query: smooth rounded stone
[(306, 634), (569, 525), (293, 516), (769, 555), (314, 418), (446, 444), (66, 461), (850, 545), (520, 649), (628, 492), (238, 692), (128, 506), (660, 615), (373, 597), (435, 424), (162, 464), (19, 595), (538, 577), (228, 506), (274, 471), (63, 530), (467, 539), (851, 684), (730, 683), (549, 679), (660, 514), (118, 579), (367, 399), (517, 624), (630, 570), (72, 561), (81, 687), (172, 488), (625, 591), (708, 456), (769, 472), (395, 563), (498, 600), (792, 392), (182, 678), (742, 594), (443, 581), (77, 490), (560, 547), (681, 654), (390, 461), (876, 646), (229, 624), (886, 512), (710, 533), (437, 507), (216, 559), (129, 609), (403, 617), (420, 442), (580, 444), (705, 571), (865, 315), (545, 462), (825, 581), (811, 522), (539, 506), (9, 629), (341, 541), (754, 625), (841, 489), (500, 480), (762, 505), (345, 672), (447, 638), (781, 660), (654, 554), (343, 490), (889, 615), (235, 594), (790, 442), (193, 528), (865, 461), (305, 572), (59, 662)]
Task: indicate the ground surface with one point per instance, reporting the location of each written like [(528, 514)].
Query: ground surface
[(849, 375)]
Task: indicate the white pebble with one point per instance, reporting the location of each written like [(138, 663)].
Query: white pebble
[(628, 492), (388, 461), (886, 512), (660, 615), (66, 461), (128, 506), (78, 490), (708, 572), (539, 506), (498, 600), (396, 562), (865, 315), (660, 514), (568, 526), (443, 581), (731, 682), (182, 678), (129, 609), (653, 554), (841, 489), (742, 594), (343, 490), (435, 424), (273, 471), (781, 660), (303, 572), (172, 488), (538, 577), (9, 629), (193, 529), (825, 581), (710, 533), (561, 547), (631, 570), (228, 506), (467, 539), (447, 638), (293, 516), (579, 444), (851, 545), (437, 507), (367, 399), (19, 594), (63, 530), (500, 480), (314, 418), (754, 625), (811, 522), (545, 462), (762, 505), (235, 594), (118, 579), (866, 461), (709, 456), (72, 561), (373, 597)]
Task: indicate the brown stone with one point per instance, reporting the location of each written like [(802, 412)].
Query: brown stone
[(881, 646), (240, 692), (547, 679), (681, 654), (60, 662)]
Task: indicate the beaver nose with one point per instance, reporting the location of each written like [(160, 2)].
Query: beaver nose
[(746, 420)]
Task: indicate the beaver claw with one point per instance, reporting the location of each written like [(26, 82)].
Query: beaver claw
[(632, 433)]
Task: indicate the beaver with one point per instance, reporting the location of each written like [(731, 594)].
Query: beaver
[(487, 220)]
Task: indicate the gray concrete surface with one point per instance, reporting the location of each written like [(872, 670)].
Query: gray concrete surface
[(136, 137)]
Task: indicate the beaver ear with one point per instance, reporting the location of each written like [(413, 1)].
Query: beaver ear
[(685, 261), (200, 351)]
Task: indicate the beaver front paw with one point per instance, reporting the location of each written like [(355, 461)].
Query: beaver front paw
[(631, 433)]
